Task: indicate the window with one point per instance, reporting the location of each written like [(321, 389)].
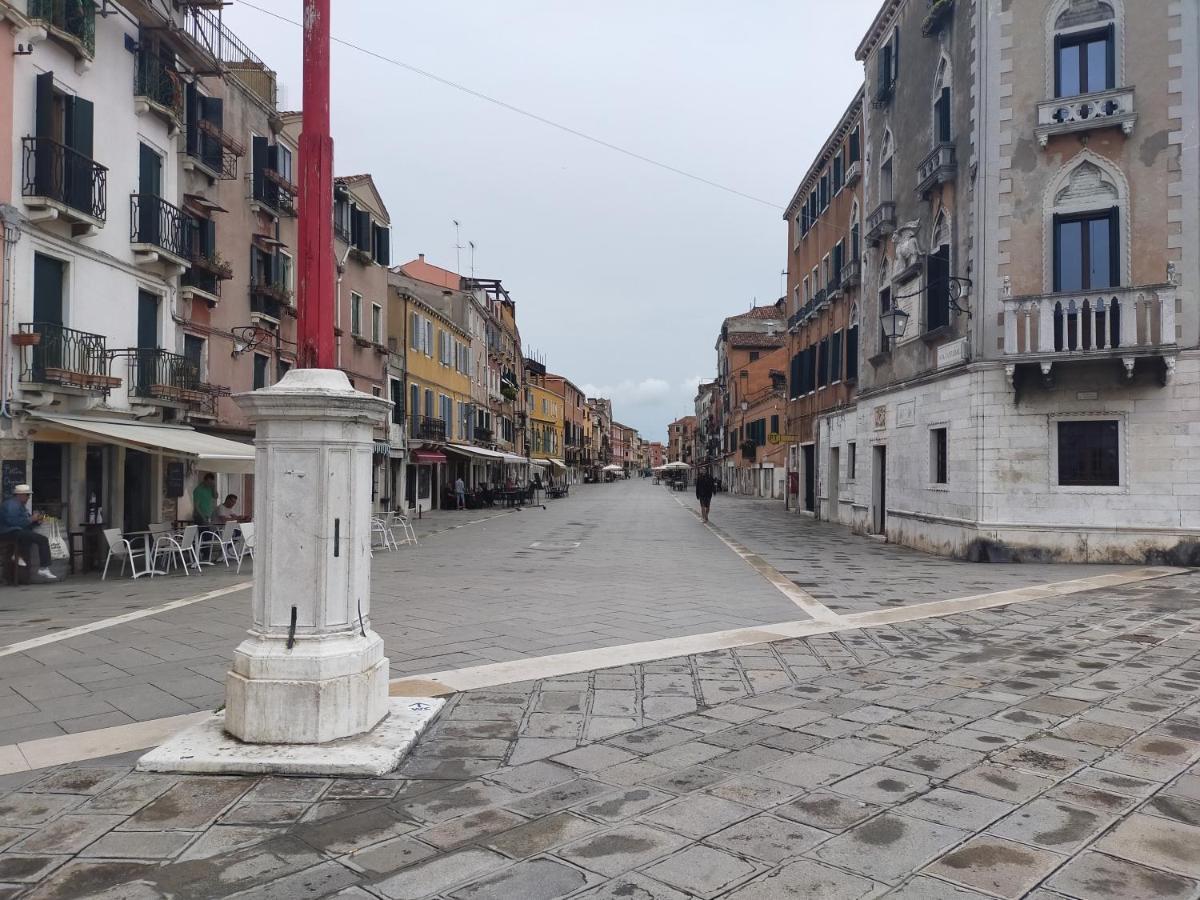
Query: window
[(852, 353), (415, 330), (937, 290), (356, 313), (838, 177), (284, 162), (823, 362), (282, 368), (774, 424), (824, 189), (447, 412), (376, 323), (1084, 62), (826, 275), (754, 354), (888, 68), (429, 339), (885, 180), (937, 455), (193, 351), (807, 293), (381, 244), (428, 403), (885, 303), (839, 260), (414, 401), (1086, 251), (1088, 453), (260, 371), (851, 460), (941, 117), (835, 357), (853, 146)]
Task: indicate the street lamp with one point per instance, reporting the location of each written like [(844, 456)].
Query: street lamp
[(894, 321)]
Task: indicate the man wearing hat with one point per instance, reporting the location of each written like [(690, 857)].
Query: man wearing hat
[(17, 523)]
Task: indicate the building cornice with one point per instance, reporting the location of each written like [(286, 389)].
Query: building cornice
[(879, 27), (850, 117)]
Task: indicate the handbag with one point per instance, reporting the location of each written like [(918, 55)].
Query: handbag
[(53, 530)]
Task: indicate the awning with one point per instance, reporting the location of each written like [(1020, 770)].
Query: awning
[(428, 457), (540, 463), (476, 452), (513, 459), (558, 464), (210, 452)]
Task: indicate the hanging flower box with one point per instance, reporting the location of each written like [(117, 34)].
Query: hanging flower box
[(27, 339)]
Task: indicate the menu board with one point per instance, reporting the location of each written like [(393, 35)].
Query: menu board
[(12, 473)]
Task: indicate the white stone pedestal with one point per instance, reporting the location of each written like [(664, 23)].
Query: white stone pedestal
[(311, 671)]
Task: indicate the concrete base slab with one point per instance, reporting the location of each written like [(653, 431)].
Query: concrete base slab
[(206, 748)]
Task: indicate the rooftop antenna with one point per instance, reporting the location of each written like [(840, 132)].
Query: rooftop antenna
[(782, 282), (471, 244), (457, 247)]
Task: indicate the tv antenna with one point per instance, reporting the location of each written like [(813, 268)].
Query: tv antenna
[(457, 246), (471, 244)]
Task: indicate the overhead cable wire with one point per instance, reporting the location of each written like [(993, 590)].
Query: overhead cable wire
[(583, 135)]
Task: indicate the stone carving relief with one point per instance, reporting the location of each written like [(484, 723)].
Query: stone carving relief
[(1084, 12), (907, 246), (1087, 186)]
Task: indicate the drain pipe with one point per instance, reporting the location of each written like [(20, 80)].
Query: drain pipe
[(11, 234)]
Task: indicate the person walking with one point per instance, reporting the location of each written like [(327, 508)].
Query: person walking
[(16, 523), (704, 492), (460, 492)]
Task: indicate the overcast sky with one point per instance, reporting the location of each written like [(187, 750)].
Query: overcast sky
[(622, 272)]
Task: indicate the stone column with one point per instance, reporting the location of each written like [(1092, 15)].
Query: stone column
[(311, 670)]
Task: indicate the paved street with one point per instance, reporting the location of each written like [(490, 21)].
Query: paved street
[(1048, 748)]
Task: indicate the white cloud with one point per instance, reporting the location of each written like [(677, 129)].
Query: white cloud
[(689, 386), (631, 393)]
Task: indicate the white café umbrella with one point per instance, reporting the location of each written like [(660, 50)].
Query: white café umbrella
[(612, 467)]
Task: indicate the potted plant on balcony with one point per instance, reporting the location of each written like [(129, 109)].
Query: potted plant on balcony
[(749, 450), (938, 11), (26, 339)]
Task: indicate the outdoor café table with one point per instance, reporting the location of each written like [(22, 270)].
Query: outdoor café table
[(146, 537)]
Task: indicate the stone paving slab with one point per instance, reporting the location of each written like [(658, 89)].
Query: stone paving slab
[(702, 804)]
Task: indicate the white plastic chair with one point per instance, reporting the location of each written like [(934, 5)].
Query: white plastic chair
[(380, 529), (119, 547), (400, 520), (181, 547), (247, 547), (223, 540)]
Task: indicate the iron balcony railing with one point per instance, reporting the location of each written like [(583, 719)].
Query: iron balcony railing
[(483, 435), (75, 19), (266, 306), (158, 82), (425, 428), (273, 290), (209, 34), (207, 270), (201, 280), (162, 375), (154, 221), (57, 172), (65, 356)]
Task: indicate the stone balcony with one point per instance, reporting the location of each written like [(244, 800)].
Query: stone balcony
[(1122, 323), (1103, 109), (939, 167), (881, 222)]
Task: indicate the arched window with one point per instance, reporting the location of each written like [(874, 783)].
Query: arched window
[(852, 333), (1085, 53), (855, 248), (1086, 209), (937, 272), (942, 133), (885, 167)]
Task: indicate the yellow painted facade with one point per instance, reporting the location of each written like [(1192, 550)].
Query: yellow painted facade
[(438, 360), (545, 423)]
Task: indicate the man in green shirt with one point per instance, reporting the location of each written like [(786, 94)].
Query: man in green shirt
[(204, 500)]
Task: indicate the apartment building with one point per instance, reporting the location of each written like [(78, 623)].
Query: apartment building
[(825, 228), (576, 453), (765, 328), (600, 412), (101, 381), (544, 421), (681, 439), (761, 398), (1029, 392)]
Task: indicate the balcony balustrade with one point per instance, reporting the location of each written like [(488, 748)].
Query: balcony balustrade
[(158, 85), (939, 167), (425, 428), (161, 375), (157, 226), (264, 305), (1124, 322), (54, 175), (483, 435), (71, 21), (851, 273), (881, 222), (1103, 109), (853, 173), (65, 356)]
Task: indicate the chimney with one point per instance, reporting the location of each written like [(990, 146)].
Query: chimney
[(421, 257)]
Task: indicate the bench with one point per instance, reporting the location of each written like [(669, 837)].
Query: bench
[(13, 574)]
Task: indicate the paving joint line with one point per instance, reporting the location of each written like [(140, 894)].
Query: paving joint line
[(804, 600)]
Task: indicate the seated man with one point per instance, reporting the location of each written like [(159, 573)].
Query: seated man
[(17, 524), (225, 511)]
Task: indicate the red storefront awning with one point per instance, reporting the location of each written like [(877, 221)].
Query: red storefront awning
[(428, 457)]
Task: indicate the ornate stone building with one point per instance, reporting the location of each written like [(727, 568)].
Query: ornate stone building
[(1031, 173)]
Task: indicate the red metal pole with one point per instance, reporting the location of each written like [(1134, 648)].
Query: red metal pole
[(317, 280)]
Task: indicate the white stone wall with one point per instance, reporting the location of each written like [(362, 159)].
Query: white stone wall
[(1002, 499)]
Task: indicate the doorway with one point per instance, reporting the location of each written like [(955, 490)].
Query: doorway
[(149, 189), (879, 489), (810, 477), (833, 510), (138, 477)]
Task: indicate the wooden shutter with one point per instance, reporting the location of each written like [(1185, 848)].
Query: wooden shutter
[(1114, 247), (212, 110), (383, 250), (44, 105), (362, 238), (270, 187), (852, 354), (258, 162), (80, 123)]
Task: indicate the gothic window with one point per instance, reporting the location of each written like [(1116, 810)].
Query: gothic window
[(1085, 55), (1088, 202)]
